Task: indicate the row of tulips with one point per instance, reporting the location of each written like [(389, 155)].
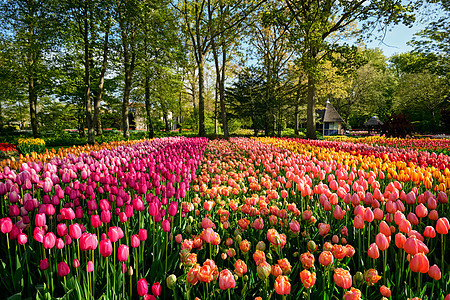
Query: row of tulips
[(48, 155), (7, 147), (393, 163), (424, 144), (92, 224)]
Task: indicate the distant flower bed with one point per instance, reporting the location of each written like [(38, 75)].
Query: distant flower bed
[(7, 150), (28, 146)]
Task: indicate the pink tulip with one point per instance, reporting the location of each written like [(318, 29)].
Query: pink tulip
[(226, 280), (123, 253), (63, 269)]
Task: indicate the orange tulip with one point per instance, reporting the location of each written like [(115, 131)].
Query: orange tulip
[(326, 258), (307, 260), (342, 278), (419, 263), (371, 277), (353, 294), (385, 291), (308, 279), (282, 285)]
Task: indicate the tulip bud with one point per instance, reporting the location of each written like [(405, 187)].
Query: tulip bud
[(171, 281)]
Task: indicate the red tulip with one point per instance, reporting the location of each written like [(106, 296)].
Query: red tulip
[(442, 226), (90, 266), (384, 229), (400, 240), (421, 211), (142, 287), (385, 291), (358, 222), (419, 263), (123, 252), (156, 289), (63, 269), (382, 241), (411, 245), (106, 248), (142, 235), (434, 272), (373, 251), (88, 241), (40, 220), (6, 225), (22, 239), (43, 264), (49, 240), (429, 232), (75, 231)]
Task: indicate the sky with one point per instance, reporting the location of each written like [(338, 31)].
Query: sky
[(395, 40)]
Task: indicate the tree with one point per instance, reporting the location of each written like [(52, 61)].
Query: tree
[(30, 23), (422, 94), (198, 25), (127, 16), (271, 42), (317, 21)]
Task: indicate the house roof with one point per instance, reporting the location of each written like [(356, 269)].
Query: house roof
[(374, 121), (331, 115)]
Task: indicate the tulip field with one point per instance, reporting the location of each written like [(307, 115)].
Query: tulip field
[(244, 218)]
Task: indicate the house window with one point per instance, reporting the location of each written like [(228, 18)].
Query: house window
[(331, 128)]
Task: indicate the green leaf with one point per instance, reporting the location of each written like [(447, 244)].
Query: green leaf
[(17, 296)]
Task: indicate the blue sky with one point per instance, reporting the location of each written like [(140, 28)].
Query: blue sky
[(396, 39)]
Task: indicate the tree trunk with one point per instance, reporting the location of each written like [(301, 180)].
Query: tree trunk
[(194, 107), (218, 75), (126, 103), (147, 107), (32, 99), (201, 95), (222, 94), (32, 95), (311, 108), (87, 77), (98, 99), (297, 104)]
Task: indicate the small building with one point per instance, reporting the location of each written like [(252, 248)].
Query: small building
[(332, 121), (373, 124)]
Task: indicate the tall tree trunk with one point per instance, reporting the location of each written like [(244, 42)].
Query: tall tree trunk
[(32, 95), (32, 99), (180, 123), (222, 94), (311, 108), (218, 75), (216, 101), (126, 101), (87, 77), (98, 99), (201, 94), (194, 106), (297, 104), (147, 107)]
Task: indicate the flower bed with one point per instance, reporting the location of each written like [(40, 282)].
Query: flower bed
[(245, 218)]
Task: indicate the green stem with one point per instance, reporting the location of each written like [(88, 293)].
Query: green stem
[(165, 267), (384, 266), (107, 278)]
